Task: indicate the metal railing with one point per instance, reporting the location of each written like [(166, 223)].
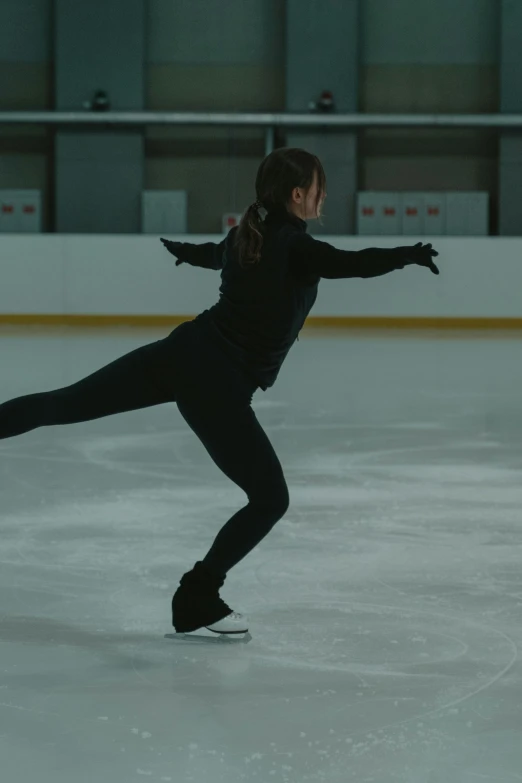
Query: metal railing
[(270, 121)]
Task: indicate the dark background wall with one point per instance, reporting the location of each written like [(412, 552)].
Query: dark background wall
[(415, 56)]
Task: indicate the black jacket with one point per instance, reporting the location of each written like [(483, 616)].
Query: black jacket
[(263, 307)]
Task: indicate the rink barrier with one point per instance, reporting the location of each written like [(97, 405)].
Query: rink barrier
[(131, 281), (313, 322)]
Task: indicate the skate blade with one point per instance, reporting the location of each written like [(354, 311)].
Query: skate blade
[(204, 635)]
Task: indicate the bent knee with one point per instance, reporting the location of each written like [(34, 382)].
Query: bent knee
[(275, 500)]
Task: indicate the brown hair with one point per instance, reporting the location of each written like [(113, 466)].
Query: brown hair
[(280, 172)]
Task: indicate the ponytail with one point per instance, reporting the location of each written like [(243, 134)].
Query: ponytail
[(249, 237)]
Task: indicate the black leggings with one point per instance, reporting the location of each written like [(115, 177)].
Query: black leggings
[(213, 396)]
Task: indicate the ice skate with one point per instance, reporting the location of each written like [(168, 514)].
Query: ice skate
[(198, 611), (232, 628)]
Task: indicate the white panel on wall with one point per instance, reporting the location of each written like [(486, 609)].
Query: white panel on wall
[(423, 214), (215, 31), (434, 214), (478, 214), (467, 214), (164, 211), (395, 32), (389, 221), (378, 213), (20, 211), (366, 213), (25, 31), (412, 209)]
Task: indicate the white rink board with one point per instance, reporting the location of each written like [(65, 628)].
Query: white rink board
[(135, 275)]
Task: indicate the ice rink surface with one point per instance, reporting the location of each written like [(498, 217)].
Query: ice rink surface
[(385, 608)]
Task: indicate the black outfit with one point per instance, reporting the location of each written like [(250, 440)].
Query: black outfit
[(262, 309), (212, 366)]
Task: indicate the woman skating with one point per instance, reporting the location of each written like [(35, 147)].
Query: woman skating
[(211, 366)]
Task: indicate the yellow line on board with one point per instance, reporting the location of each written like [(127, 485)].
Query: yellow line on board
[(328, 322)]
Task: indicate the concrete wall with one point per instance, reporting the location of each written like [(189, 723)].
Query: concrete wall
[(135, 276)]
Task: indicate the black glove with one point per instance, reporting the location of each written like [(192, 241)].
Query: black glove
[(175, 248), (419, 254)]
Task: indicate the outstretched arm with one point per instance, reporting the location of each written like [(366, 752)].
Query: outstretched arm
[(208, 255), (315, 257)]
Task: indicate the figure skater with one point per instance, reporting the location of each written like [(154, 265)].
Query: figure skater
[(211, 366)]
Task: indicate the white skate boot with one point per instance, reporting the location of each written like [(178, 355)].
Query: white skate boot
[(233, 623), (232, 628)]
